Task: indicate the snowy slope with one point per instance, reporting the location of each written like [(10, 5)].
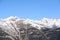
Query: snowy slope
[(17, 22)]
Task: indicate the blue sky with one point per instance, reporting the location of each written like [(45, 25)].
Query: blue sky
[(33, 9)]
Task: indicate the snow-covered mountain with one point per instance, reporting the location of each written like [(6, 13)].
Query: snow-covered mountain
[(45, 22), (12, 26)]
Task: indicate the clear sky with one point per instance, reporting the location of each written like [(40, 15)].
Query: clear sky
[(33, 9)]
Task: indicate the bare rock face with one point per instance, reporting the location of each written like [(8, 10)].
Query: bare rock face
[(14, 28)]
